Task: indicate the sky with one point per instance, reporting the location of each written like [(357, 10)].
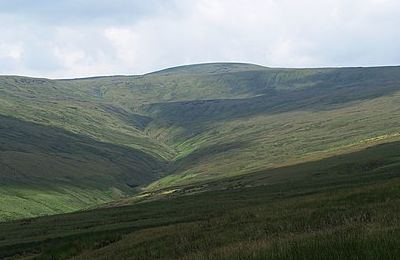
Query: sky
[(80, 38)]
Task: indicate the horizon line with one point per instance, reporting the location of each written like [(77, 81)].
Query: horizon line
[(200, 64)]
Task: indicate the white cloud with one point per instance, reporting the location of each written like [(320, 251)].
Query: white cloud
[(284, 33), (12, 51)]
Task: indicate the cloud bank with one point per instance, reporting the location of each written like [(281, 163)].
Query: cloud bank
[(72, 38)]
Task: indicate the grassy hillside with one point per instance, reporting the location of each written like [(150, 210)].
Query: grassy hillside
[(334, 110), (71, 144), (46, 170), (342, 207)]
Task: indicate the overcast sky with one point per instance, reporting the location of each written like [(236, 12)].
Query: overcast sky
[(77, 38)]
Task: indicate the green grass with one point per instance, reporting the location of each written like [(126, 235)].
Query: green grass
[(46, 170), (106, 138), (342, 207)]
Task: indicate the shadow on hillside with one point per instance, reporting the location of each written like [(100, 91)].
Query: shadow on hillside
[(26, 140), (330, 90), (379, 162), (203, 154)]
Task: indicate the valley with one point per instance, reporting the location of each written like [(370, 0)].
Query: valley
[(73, 144), (207, 161)]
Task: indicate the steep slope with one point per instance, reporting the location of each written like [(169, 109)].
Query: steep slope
[(61, 151), (186, 125), (217, 148), (47, 170), (60, 104), (303, 115)]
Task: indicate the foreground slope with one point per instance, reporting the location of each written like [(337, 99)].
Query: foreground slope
[(180, 126), (342, 207)]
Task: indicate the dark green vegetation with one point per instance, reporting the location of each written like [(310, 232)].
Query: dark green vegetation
[(342, 207), (72, 144)]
